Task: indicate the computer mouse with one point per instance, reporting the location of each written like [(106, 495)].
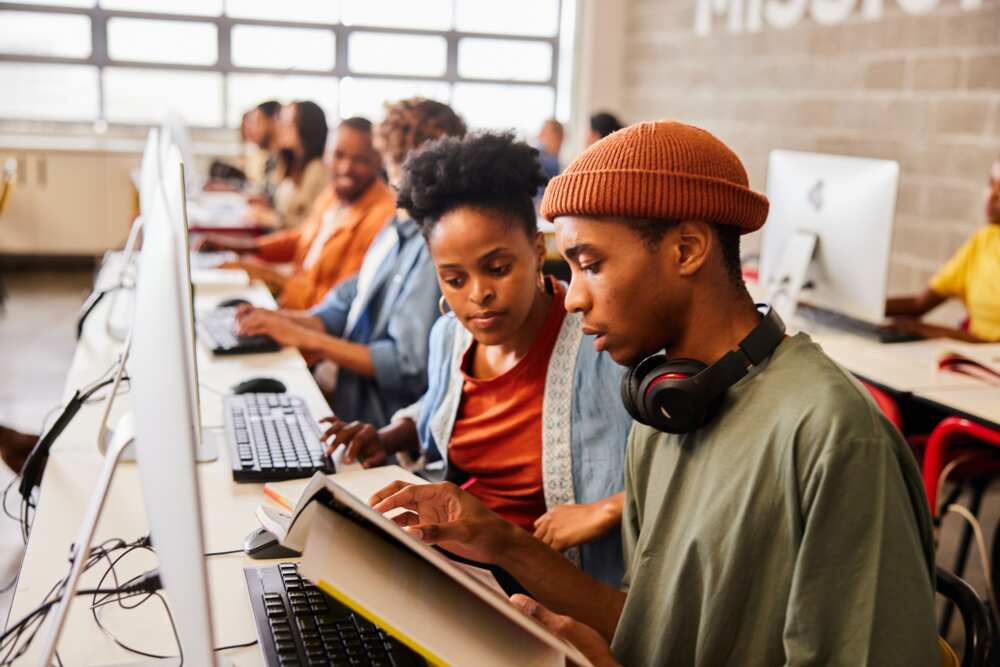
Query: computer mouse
[(260, 386), (262, 544), (232, 303)]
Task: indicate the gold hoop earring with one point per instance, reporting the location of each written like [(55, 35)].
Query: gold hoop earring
[(441, 306)]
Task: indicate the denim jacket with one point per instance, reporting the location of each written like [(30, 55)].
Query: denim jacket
[(584, 426), (402, 304)]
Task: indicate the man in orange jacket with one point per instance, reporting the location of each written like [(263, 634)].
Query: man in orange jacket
[(330, 245)]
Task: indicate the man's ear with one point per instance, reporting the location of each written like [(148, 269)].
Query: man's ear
[(693, 244)]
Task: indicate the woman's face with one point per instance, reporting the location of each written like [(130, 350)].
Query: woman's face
[(488, 270), (287, 128)]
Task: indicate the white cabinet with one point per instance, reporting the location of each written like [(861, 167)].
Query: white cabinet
[(67, 202)]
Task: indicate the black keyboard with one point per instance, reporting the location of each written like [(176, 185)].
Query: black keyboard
[(272, 437), (828, 319), (298, 625), (217, 329)]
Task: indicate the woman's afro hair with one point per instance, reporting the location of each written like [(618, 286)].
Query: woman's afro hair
[(488, 171)]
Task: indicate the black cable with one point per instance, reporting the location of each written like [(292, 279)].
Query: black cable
[(224, 553), (234, 646), (10, 641)]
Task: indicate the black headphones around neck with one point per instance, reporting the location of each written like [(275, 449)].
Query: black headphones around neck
[(681, 395)]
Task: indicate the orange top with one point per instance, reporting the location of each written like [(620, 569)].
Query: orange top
[(497, 436), (343, 251)]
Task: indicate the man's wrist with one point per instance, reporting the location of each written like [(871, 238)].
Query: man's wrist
[(518, 549)]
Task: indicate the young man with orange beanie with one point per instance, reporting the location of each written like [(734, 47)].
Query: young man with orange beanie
[(788, 524)]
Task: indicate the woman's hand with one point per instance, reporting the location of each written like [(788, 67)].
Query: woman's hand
[(261, 322), (446, 515), (588, 640), (570, 525), (361, 440)]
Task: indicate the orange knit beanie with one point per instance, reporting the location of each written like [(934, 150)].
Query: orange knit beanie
[(664, 170)]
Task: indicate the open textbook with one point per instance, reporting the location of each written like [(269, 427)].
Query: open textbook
[(291, 527), (979, 360), (448, 612)]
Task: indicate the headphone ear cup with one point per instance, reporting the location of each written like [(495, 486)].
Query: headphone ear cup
[(670, 399), (631, 386)]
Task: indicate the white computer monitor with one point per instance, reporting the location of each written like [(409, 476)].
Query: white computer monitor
[(174, 130), (173, 189), (165, 440), (829, 232)]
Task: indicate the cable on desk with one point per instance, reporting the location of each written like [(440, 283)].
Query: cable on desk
[(224, 553), (19, 635), (235, 646)]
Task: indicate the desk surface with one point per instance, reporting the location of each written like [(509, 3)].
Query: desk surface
[(228, 508)]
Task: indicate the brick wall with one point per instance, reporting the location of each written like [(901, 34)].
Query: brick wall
[(923, 90)]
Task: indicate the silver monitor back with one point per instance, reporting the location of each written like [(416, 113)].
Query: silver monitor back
[(848, 203), (173, 187), (164, 436)]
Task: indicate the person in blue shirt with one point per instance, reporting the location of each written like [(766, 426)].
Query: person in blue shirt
[(374, 327)]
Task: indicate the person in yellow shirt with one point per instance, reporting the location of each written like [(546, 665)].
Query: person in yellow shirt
[(972, 275)]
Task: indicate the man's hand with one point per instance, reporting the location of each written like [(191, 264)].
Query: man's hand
[(570, 525), (588, 640), (361, 440), (213, 242), (252, 321), (446, 515)]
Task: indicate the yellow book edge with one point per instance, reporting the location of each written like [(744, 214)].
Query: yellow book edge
[(330, 590)]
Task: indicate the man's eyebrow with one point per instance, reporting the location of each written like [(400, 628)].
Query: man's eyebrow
[(574, 252)]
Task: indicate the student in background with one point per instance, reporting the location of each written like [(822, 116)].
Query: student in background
[(374, 327), (516, 403), (262, 153), (330, 245), (972, 275), (549, 144), (788, 526), (299, 177), (602, 124)]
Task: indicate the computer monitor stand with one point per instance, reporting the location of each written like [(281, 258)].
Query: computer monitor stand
[(82, 544), (208, 444), (787, 282)]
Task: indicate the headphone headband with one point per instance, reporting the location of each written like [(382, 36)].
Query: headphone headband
[(680, 395)]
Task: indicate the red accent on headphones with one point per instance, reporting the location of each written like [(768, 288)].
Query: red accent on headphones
[(664, 376)]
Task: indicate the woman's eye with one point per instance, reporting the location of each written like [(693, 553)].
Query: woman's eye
[(591, 268), (454, 283), (500, 270)]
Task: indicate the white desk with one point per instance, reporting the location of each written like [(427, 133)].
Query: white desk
[(911, 368), (228, 508)]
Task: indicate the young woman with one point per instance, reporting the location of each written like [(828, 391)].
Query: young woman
[(972, 275), (300, 137), (516, 405)]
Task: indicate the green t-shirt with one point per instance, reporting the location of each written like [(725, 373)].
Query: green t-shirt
[(792, 529)]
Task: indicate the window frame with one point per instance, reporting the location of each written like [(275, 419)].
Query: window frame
[(224, 24)]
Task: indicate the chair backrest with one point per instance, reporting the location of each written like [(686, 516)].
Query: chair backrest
[(951, 434), (887, 404), (978, 630)]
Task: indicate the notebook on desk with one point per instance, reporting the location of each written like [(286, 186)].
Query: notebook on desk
[(428, 602)]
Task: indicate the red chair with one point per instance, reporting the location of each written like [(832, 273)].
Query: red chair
[(887, 404), (950, 438)]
